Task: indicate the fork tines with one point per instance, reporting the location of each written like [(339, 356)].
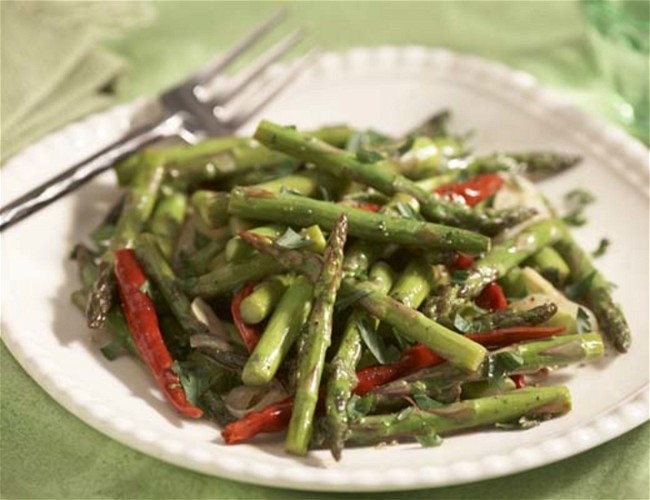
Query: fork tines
[(235, 99)]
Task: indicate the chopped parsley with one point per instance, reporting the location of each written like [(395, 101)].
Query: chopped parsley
[(576, 201), (603, 245)]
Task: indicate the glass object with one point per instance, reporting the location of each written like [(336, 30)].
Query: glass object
[(620, 35)]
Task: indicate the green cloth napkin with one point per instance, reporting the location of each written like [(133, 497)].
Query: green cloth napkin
[(53, 70), (47, 453)]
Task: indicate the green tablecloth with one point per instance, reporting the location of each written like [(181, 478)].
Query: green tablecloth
[(46, 452)]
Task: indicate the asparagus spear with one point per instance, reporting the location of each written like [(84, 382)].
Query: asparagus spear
[(317, 338), (508, 317), (529, 403), (401, 395), (550, 264), (241, 157), (216, 157), (483, 388), (415, 283), (381, 176), (526, 357), (201, 261), (160, 272), (428, 156), (536, 165), (362, 254), (244, 158), (280, 333), (493, 265), (311, 183), (343, 379), (226, 278), (239, 251), (138, 206), (336, 135), (597, 292), (115, 321), (300, 211), (167, 219), (414, 325), (259, 304), (306, 263), (127, 169), (211, 206)]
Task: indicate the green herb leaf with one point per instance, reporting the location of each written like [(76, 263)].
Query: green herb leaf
[(580, 197), (424, 401), (324, 193), (345, 301), (198, 374), (358, 407), (503, 363), (577, 200), (291, 240), (102, 235), (510, 361), (407, 211), (373, 341), (393, 354), (579, 289), (214, 408), (192, 384), (603, 245), (406, 146), (405, 413), (368, 156), (462, 324), (459, 276), (365, 140), (147, 288), (552, 274), (575, 218), (583, 323)]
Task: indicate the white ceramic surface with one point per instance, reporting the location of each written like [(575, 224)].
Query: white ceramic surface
[(390, 89)]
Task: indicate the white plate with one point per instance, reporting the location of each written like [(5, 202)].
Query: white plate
[(389, 89)]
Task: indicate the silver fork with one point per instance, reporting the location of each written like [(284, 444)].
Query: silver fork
[(189, 110)]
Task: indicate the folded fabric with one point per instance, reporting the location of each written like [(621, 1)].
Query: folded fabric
[(53, 71)]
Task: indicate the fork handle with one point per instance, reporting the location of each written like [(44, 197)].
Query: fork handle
[(82, 172)]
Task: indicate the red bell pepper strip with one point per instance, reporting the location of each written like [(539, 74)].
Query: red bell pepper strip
[(273, 418), (143, 324), (473, 190), (492, 298), (502, 337), (412, 359), (519, 380), (276, 416), (249, 334), (462, 262), (367, 206)]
